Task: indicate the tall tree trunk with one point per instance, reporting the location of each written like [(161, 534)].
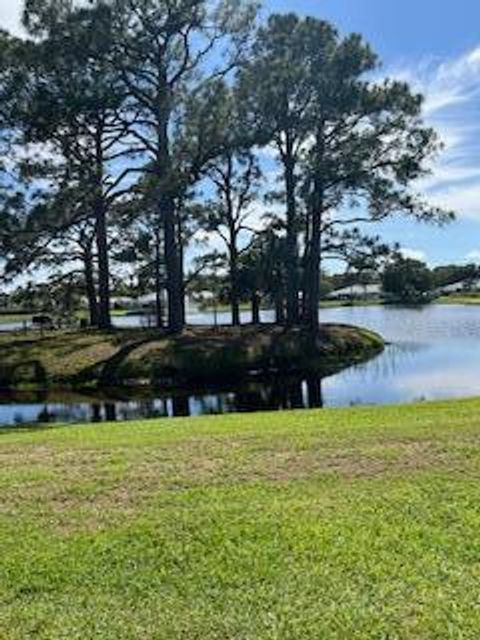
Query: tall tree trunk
[(104, 318), (234, 295), (314, 250), (304, 271), (90, 288), (158, 282), (313, 274), (228, 194), (291, 258), (279, 309), (255, 308), (168, 210), (181, 257), (176, 312)]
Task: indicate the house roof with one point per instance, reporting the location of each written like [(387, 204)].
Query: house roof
[(357, 290)]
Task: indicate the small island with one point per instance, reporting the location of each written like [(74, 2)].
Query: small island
[(141, 357)]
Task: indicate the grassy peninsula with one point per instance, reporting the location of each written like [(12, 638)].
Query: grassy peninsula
[(90, 358)]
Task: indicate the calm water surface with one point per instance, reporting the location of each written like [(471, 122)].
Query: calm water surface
[(434, 353)]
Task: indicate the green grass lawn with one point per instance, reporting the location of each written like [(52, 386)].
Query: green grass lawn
[(466, 298), (10, 318), (338, 524)]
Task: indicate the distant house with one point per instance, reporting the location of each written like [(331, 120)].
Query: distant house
[(123, 302), (449, 289), (473, 285), (356, 291), (149, 300), (458, 287)]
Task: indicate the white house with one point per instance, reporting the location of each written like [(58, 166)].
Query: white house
[(149, 300), (123, 302), (357, 291), (458, 287)]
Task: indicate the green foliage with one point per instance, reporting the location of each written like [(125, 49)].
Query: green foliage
[(350, 148), (450, 274), (137, 106), (408, 280)]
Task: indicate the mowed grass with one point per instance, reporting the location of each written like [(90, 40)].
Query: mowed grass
[(9, 318), (462, 299), (338, 524)]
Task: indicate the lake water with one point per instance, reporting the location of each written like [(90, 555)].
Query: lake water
[(434, 353)]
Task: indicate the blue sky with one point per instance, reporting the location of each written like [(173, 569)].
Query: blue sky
[(400, 29), (435, 45)]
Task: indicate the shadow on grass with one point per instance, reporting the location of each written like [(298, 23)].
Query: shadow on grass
[(106, 372), (31, 427), (31, 371)]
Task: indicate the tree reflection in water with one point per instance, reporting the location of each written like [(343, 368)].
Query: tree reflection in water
[(276, 393)]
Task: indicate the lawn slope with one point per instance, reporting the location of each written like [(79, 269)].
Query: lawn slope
[(359, 524)]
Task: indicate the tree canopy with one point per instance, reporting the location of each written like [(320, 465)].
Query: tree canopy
[(133, 132)]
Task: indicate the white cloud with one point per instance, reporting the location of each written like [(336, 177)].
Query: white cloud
[(450, 173), (452, 103), (462, 199), (10, 15), (413, 254), (444, 83), (473, 256)]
